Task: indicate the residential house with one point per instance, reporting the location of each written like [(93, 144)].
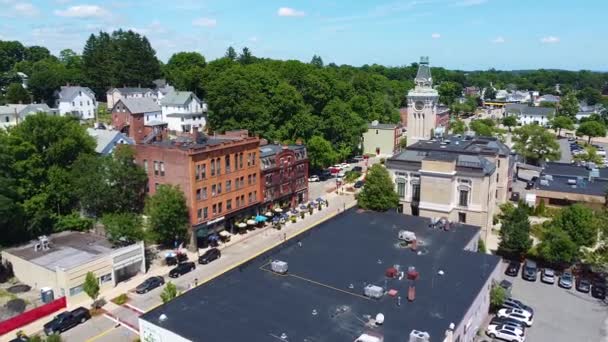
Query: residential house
[(107, 140), (586, 110), (547, 98), (184, 111), (527, 114), (284, 175), (115, 94), (162, 89), (381, 139), (12, 114), (139, 118), (77, 101)]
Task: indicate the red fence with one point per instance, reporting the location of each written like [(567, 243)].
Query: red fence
[(31, 315)]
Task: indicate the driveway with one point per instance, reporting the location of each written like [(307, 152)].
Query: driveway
[(564, 147)]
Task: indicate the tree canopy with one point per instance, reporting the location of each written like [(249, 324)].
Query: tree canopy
[(535, 144), (562, 122), (515, 231), (167, 213), (591, 129), (378, 194), (184, 70)]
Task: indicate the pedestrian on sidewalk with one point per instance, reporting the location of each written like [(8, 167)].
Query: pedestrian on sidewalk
[(195, 282)]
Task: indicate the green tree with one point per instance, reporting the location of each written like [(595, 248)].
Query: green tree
[(490, 93), (246, 57), (317, 61), (535, 144), (568, 105), (580, 222), (590, 155), (458, 127), (320, 153), (481, 246), (509, 121), (73, 222), (561, 122), (591, 129), (498, 295), (123, 228), (515, 232), (15, 93), (167, 213), (403, 143), (91, 286), (185, 71), (36, 53), (449, 92), (557, 246), (46, 77), (169, 292), (231, 54), (482, 128), (378, 194), (590, 95), (11, 52)]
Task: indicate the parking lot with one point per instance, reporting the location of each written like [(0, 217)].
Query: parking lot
[(561, 314)]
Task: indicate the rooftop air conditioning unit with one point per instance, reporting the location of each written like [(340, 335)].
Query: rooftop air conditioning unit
[(278, 266), (407, 235), (370, 337), (544, 182), (419, 336), (373, 291), (572, 181)]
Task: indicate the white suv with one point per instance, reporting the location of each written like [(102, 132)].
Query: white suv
[(517, 314), (504, 334)]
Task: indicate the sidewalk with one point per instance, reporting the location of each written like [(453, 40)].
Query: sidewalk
[(241, 247)]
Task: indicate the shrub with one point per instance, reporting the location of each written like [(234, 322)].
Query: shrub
[(121, 299), (481, 246), (497, 297)]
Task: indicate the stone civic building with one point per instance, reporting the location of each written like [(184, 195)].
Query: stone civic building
[(461, 178)]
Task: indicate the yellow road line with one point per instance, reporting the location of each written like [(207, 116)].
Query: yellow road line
[(101, 334), (239, 263)]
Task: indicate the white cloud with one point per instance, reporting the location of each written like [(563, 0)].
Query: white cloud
[(549, 40), (25, 9), (289, 12), (498, 40), (62, 1), (435, 35), (83, 11), (466, 3), (204, 22), (253, 39)]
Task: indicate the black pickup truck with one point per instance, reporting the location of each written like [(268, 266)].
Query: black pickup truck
[(67, 320)]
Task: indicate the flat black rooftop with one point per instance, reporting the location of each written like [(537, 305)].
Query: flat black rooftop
[(249, 303), (570, 178)]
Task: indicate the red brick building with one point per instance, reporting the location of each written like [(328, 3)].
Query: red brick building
[(284, 176)]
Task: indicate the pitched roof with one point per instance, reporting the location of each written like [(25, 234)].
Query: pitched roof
[(177, 98), (524, 109), (130, 90), (106, 139), (140, 104), (25, 109), (67, 93)]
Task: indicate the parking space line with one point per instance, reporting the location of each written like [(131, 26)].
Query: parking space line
[(101, 334)]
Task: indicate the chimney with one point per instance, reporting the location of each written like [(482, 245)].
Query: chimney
[(195, 134)]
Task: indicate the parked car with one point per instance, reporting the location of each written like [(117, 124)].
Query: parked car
[(358, 158), (548, 276), (504, 334), (513, 269), (357, 169), (566, 280), (525, 317), (209, 256), (512, 303), (150, 284), (172, 260), (182, 269), (515, 329), (67, 320), (325, 175), (508, 321), (515, 196), (529, 271), (583, 285), (344, 166), (313, 178), (359, 184), (598, 291)]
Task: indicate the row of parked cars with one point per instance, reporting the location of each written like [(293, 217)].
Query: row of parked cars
[(576, 149), (566, 280), (511, 321), (337, 171)]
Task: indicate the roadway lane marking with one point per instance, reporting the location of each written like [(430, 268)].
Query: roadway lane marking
[(103, 333)]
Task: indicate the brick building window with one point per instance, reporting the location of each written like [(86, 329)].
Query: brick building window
[(253, 158), (255, 176), (218, 166), (242, 181), (219, 208), (214, 209), (242, 199), (212, 167), (229, 205), (236, 161), (241, 160), (213, 190), (228, 186), (219, 188), (197, 172), (162, 168), (205, 213), (155, 168), (227, 159), (238, 202), (248, 179), (236, 183), (199, 214), (204, 193), (250, 197), (146, 165), (255, 196), (198, 194), (248, 159)]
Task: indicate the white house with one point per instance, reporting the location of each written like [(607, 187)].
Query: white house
[(115, 94), (162, 89), (77, 101), (529, 114), (13, 114), (146, 106), (547, 98), (183, 110)]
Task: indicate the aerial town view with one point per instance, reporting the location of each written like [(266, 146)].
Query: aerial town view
[(303, 171)]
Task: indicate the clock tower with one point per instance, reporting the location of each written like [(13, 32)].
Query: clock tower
[(422, 104)]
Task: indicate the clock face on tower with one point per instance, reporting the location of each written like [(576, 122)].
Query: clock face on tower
[(419, 105)]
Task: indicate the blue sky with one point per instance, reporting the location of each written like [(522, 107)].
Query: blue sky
[(464, 34)]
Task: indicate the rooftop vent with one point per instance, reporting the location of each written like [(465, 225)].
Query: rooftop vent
[(379, 319), (419, 336), (162, 317), (373, 291), (544, 182), (279, 267), (407, 235), (572, 181), (42, 244), (370, 337)]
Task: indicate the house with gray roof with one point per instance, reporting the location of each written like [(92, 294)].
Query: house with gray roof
[(107, 140), (184, 111), (13, 114), (76, 101), (529, 114), (141, 105), (381, 139), (115, 94)]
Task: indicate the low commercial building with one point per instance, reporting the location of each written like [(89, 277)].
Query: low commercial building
[(565, 184), (381, 139), (527, 114), (61, 261), (328, 290), (284, 175)]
